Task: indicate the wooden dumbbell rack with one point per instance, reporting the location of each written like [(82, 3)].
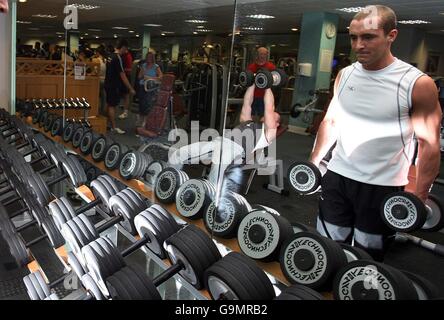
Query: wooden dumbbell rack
[(272, 268)]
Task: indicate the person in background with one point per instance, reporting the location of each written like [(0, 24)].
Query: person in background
[(261, 62), (128, 65), (100, 58), (149, 70), (115, 78)]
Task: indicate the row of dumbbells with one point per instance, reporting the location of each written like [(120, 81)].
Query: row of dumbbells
[(190, 251), (401, 211), (263, 78), (53, 123), (55, 104)]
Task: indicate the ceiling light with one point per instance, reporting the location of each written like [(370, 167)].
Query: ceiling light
[(152, 25), (23, 1), (95, 30), (163, 34), (120, 28), (24, 22), (414, 22), (81, 38), (194, 32), (273, 45), (131, 31), (260, 16), (84, 6), (196, 21), (85, 34), (204, 30), (294, 29), (115, 36), (97, 37), (137, 35), (351, 9), (60, 36), (253, 28), (47, 16), (200, 27)]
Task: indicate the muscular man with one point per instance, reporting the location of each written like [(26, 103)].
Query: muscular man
[(380, 102), (260, 63)]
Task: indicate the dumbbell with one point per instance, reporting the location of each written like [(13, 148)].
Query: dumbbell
[(79, 231), (100, 148), (19, 248), (305, 178), (190, 251), (223, 221), (262, 232), (69, 130), (57, 127), (38, 288), (78, 135), (405, 212), (71, 169), (265, 79), (168, 182), (114, 155), (312, 260), (88, 141), (371, 280), (193, 198), (137, 164), (103, 188)]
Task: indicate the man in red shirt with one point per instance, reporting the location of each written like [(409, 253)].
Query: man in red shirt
[(127, 64), (257, 107)]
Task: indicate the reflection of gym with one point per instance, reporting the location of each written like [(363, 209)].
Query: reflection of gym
[(292, 154)]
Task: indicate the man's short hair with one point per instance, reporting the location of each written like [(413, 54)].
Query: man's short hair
[(122, 43), (387, 15)]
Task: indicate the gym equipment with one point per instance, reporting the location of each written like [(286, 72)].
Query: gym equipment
[(72, 170), (114, 155), (168, 182), (434, 247), (100, 147), (190, 251), (424, 288), (262, 232), (299, 292), (311, 260), (304, 177), (265, 79), (103, 188), (224, 220), (405, 212), (236, 277), (193, 198), (134, 164), (88, 141), (371, 280), (354, 253), (246, 78)]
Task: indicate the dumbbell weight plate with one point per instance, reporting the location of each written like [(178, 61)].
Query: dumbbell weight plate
[(261, 233), (88, 141), (131, 165), (61, 210), (75, 265), (403, 212), (114, 155), (224, 221), (48, 122), (53, 233), (435, 221), (304, 177), (102, 262), (91, 173), (263, 79), (100, 148), (91, 286), (43, 117), (280, 78), (371, 280), (235, 277), (77, 136), (192, 198), (167, 183), (104, 188), (153, 170), (311, 260), (57, 127), (18, 249), (424, 288), (39, 188), (36, 286), (246, 78), (69, 130)]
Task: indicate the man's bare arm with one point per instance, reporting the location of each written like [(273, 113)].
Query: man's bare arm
[(426, 119), (271, 118), (326, 135), (246, 107), (127, 83)]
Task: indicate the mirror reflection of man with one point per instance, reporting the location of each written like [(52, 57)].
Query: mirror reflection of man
[(261, 62)]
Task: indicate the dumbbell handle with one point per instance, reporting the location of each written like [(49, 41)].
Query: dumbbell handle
[(10, 134), (88, 206), (27, 153), (58, 281), (7, 189), (15, 139), (19, 212), (36, 240), (11, 201), (21, 146), (109, 223), (136, 245), (48, 169), (168, 273), (437, 248), (26, 225), (57, 180)]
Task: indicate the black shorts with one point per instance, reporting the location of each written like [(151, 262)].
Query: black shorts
[(352, 209), (258, 107), (113, 96), (124, 90)]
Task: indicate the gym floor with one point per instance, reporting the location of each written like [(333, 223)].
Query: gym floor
[(290, 148)]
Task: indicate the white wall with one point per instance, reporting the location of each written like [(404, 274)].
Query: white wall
[(5, 60)]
